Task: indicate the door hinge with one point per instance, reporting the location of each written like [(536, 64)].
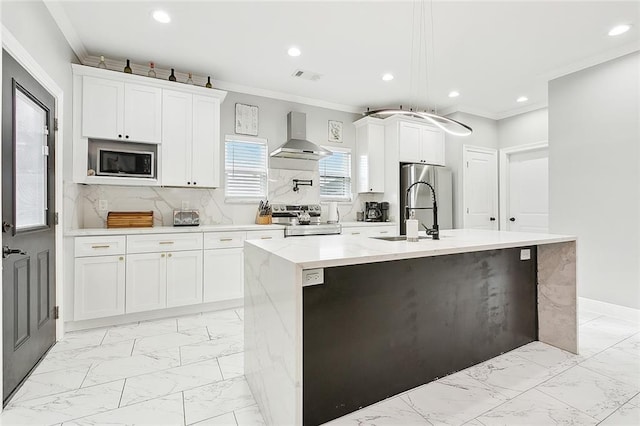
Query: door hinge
[(467, 210), (56, 218), (467, 164), (46, 130), (55, 124), (56, 312)]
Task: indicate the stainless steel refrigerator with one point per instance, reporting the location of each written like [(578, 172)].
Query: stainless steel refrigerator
[(420, 196)]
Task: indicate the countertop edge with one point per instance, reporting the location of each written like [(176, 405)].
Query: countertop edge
[(168, 230)]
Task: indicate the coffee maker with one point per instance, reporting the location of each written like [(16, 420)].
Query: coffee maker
[(384, 209), (372, 211)]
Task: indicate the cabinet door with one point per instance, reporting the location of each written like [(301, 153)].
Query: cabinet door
[(98, 287), (432, 146), (409, 142), (146, 282), (376, 158), (177, 130), (102, 108), (205, 151), (184, 278), (223, 274), (142, 113)]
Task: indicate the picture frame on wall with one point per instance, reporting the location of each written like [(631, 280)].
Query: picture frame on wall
[(246, 120), (335, 131)]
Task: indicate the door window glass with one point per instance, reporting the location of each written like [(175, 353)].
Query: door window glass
[(30, 163)]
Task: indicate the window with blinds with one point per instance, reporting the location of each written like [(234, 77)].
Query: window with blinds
[(245, 168), (335, 175)]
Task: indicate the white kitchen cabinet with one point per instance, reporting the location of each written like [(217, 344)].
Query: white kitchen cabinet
[(223, 274), (191, 140), (115, 110), (370, 230), (146, 286), (184, 278), (420, 143), (370, 155), (99, 287)]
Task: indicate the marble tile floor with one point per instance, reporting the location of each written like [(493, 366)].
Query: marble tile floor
[(189, 370)]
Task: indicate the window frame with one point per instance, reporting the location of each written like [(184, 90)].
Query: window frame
[(231, 199), (327, 198)]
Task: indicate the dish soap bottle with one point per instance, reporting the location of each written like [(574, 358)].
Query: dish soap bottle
[(127, 68)]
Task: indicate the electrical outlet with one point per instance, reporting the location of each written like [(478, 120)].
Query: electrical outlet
[(312, 276), (185, 205), (525, 254), (103, 205)]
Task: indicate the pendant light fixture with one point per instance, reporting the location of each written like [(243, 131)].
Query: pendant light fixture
[(418, 56)]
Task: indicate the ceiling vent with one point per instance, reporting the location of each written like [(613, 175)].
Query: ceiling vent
[(306, 75)]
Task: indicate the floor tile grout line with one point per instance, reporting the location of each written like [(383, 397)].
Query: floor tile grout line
[(85, 376), (235, 419), (124, 385), (568, 405), (184, 409), (412, 408), (18, 403), (220, 369)]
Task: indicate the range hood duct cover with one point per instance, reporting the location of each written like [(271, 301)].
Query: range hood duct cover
[(297, 146)]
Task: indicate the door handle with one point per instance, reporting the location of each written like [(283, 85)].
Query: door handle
[(492, 219), (512, 219), (6, 252)]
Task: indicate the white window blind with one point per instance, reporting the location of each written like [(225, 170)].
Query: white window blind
[(335, 175), (245, 168)]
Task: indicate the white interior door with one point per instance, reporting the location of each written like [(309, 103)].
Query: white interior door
[(528, 191), (480, 181)]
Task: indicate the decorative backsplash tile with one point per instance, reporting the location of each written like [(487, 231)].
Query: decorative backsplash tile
[(82, 201)]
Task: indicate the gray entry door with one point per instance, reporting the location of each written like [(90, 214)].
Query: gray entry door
[(28, 239)]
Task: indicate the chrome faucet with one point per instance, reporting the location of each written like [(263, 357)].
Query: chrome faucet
[(435, 231)]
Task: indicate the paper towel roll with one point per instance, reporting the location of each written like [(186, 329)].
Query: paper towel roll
[(412, 230), (332, 212)]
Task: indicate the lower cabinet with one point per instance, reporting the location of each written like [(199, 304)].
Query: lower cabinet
[(223, 274), (163, 280), (146, 282), (184, 278), (99, 287)]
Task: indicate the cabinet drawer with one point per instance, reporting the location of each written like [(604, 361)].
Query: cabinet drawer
[(164, 242), (265, 235), (99, 246), (214, 240), (381, 230)]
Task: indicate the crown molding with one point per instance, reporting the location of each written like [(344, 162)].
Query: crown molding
[(521, 110), (66, 27)]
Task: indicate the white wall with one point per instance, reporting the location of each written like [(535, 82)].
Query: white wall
[(211, 202), (522, 129), (485, 134), (594, 173)]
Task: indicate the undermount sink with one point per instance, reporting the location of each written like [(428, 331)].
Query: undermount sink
[(399, 238)]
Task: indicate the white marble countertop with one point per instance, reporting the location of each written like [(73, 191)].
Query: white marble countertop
[(168, 230), (339, 250)]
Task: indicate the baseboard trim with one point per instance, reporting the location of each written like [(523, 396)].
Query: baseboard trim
[(609, 309), (152, 315)]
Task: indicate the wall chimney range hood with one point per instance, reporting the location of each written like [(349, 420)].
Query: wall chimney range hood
[(297, 146)]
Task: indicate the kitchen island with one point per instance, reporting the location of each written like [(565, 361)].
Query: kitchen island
[(336, 323)]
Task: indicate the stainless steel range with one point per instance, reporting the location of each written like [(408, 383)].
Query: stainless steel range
[(302, 219)]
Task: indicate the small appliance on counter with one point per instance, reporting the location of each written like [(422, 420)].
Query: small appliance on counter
[(333, 215), (186, 218), (375, 211), (302, 219)]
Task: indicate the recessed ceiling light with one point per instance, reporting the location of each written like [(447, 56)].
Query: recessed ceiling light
[(620, 29), (387, 77), (522, 99), (294, 51), (161, 16), (454, 94)]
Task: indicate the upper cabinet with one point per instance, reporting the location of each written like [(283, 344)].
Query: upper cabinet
[(191, 140), (370, 155), (115, 110), (420, 143), (180, 124)]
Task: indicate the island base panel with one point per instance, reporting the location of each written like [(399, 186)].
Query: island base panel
[(374, 330)]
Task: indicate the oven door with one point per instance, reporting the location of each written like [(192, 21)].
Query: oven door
[(125, 163)]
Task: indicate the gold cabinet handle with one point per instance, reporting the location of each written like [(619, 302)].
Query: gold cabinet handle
[(226, 239), (384, 232), (166, 242), (97, 247), (121, 258), (355, 233), (162, 255), (266, 238), (169, 255)]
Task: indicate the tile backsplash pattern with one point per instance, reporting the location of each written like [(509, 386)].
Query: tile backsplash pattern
[(210, 202)]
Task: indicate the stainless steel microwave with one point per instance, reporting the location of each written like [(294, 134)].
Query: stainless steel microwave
[(125, 163)]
